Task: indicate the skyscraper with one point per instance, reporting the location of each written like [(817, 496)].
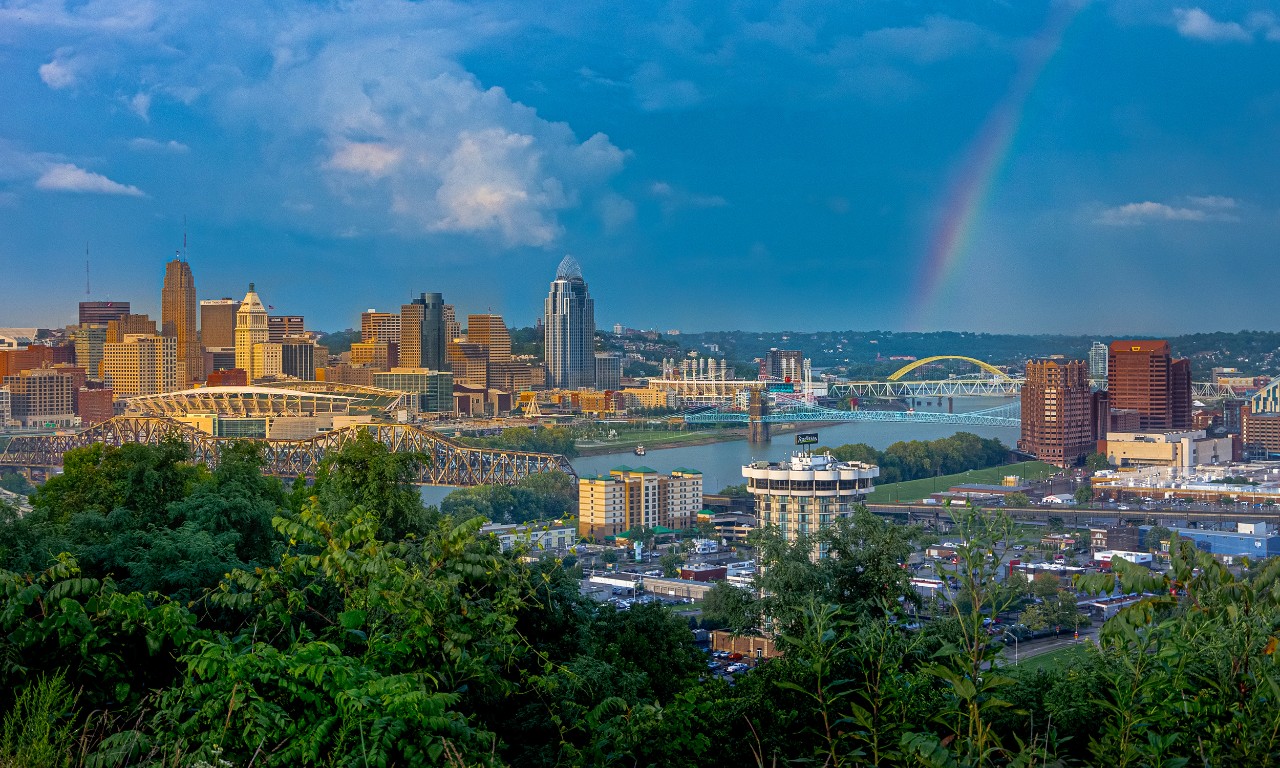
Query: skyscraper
[(102, 312), (178, 319), (251, 331), (490, 332), (218, 323), (1057, 412), (1098, 365), (1143, 377), (569, 329), (435, 333)]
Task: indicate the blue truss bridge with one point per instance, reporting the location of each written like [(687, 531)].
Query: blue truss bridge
[(785, 410)]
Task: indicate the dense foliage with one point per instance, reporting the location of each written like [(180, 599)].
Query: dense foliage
[(154, 613), (914, 459)]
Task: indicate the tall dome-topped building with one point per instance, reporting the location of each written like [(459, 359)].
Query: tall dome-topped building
[(251, 332), (569, 329)]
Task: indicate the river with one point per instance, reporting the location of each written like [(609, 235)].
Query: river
[(721, 463)]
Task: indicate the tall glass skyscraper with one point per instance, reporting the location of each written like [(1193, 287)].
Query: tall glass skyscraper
[(1098, 365), (569, 329), (433, 332)]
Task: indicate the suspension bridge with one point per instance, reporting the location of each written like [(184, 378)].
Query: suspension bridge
[(446, 462)]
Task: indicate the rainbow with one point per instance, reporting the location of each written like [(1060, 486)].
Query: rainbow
[(968, 194)]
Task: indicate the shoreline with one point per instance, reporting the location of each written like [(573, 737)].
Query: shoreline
[(720, 436)]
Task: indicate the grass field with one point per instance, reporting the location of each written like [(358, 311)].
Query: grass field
[(1050, 660), (914, 490)]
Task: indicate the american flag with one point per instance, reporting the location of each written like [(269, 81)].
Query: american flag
[(271, 306)]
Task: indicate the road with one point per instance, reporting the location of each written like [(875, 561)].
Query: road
[(1032, 648)]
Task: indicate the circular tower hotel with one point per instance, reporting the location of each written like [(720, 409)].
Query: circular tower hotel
[(806, 493)]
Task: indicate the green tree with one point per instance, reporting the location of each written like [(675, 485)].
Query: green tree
[(1017, 499), (16, 483), (731, 607), (1097, 461), (1084, 494), (364, 473), (670, 563)]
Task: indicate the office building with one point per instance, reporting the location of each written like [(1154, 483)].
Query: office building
[(805, 494), (251, 332), (41, 398), (1143, 378), (6, 407), (95, 406), (452, 328), (490, 332), (379, 326), (230, 377), (608, 371), (432, 332), (1098, 365), (630, 497), (298, 357), (435, 387), (279, 326), (470, 364), (372, 354), (89, 340), (569, 329), (411, 335), (102, 312), (1057, 412), (130, 325), (513, 376), (178, 306), (141, 364), (218, 323), (1183, 449), (782, 365), (268, 361)]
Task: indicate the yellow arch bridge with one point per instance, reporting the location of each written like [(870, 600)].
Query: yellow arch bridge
[(446, 462)]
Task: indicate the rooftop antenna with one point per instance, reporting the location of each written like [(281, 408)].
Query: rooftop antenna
[(184, 237)]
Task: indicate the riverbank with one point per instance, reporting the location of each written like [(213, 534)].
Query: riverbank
[(657, 441)]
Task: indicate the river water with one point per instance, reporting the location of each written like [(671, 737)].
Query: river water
[(721, 463)]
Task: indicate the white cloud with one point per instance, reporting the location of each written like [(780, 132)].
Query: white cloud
[(936, 39), (674, 199), (655, 92), (62, 71), (1200, 209), (1198, 25), (368, 158), (616, 212), (142, 144), (65, 177), (141, 105)]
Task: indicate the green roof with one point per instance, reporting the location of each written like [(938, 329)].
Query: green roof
[(661, 529), (646, 470), (621, 468), (687, 471)]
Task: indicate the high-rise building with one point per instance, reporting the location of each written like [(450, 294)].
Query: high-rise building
[(470, 364), (251, 332), (807, 493), (95, 406), (432, 332), (630, 497), (371, 354), (89, 340), (268, 361), (379, 326), (490, 332), (130, 325), (782, 365), (1057, 412), (218, 323), (452, 328), (178, 319), (42, 398), (102, 312), (298, 357), (569, 329), (411, 335), (1098, 365), (141, 364), (608, 371), (1144, 379), (279, 326), (434, 387), (6, 407)]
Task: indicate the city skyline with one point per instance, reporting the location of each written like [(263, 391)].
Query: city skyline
[(779, 167)]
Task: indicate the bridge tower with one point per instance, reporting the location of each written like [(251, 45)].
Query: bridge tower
[(757, 409)]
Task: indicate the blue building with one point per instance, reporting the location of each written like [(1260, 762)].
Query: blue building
[(1254, 545)]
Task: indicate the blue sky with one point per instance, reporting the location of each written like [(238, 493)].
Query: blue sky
[(743, 165)]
